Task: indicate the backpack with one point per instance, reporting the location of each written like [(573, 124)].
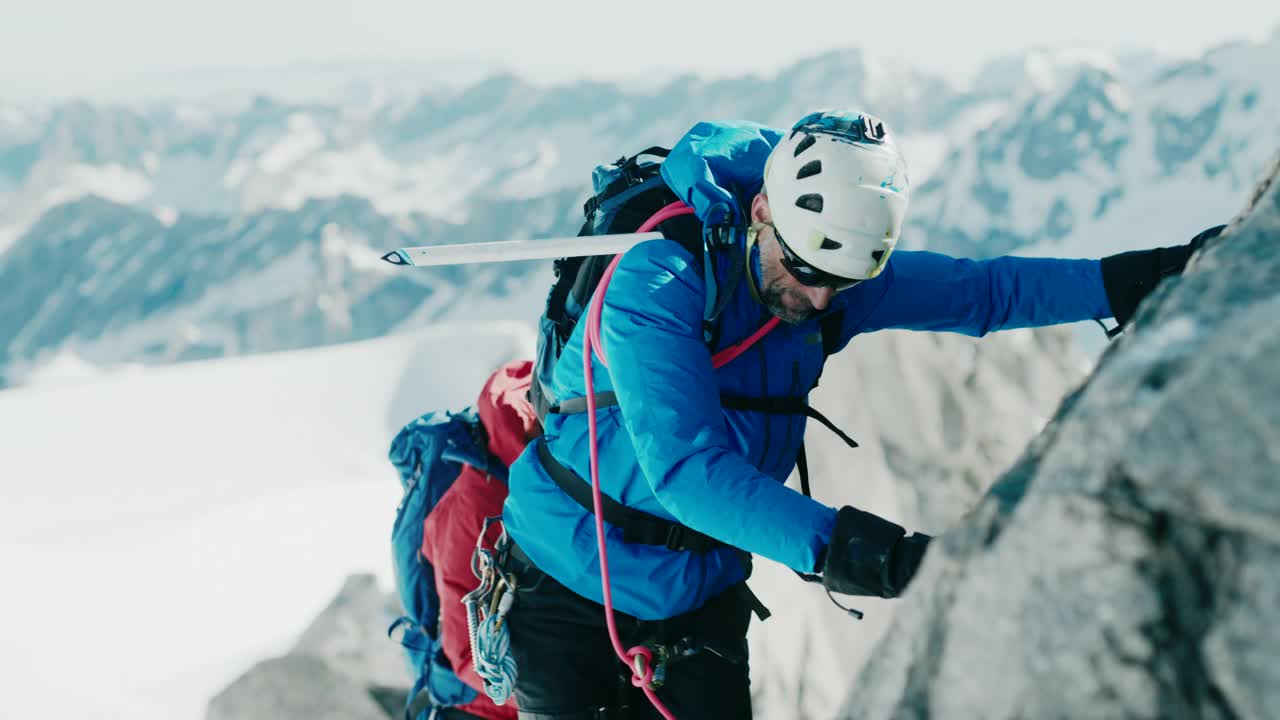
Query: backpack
[(429, 453), (627, 193)]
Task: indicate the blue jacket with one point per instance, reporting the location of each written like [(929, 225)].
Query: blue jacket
[(669, 449)]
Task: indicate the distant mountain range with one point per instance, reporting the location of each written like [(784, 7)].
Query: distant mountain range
[(1087, 159), (178, 230)]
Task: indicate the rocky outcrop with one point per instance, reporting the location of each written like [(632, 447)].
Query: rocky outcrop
[(1129, 564), (939, 416), (294, 686), (351, 635), (343, 667)]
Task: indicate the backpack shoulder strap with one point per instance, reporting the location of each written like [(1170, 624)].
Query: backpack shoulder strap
[(832, 327), (687, 231)]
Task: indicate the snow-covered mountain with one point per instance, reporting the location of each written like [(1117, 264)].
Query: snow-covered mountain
[(1094, 156), (113, 284), (446, 152), (178, 230)]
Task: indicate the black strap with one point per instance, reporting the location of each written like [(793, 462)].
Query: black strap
[(802, 465), (815, 415), (656, 151), (753, 601), (783, 406), (629, 165), (638, 527), (576, 405), (1111, 332), (832, 328), (777, 405), (774, 405)]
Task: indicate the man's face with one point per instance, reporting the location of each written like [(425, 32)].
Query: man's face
[(785, 296), (780, 291)]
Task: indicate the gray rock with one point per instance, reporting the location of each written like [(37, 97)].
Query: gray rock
[(294, 687), (351, 635), (343, 666), (1129, 564), (937, 416)]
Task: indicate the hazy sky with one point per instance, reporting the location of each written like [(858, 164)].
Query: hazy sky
[(66, 47)]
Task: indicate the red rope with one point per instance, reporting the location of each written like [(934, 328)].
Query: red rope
[(639, 658), (729, 354)]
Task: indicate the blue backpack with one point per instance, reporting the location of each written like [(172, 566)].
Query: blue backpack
[(429, 453)]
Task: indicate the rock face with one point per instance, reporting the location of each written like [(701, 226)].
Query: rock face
[(938, 417), (294, 686), (1129, 564), (344, 667), (351, 635)]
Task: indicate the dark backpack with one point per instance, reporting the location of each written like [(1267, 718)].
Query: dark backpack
[(627, 193), (429, 453)]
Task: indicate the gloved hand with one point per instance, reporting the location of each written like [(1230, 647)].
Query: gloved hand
[(1130, 277), (869, 555)]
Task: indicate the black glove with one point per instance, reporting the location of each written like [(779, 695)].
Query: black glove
[(869, 555), (1130, 277)]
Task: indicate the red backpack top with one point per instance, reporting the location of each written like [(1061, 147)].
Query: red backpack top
[(450, 530)]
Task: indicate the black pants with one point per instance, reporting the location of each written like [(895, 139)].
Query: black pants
[(567, 669)]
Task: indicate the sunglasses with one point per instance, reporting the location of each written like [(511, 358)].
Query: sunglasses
[(808, 275)]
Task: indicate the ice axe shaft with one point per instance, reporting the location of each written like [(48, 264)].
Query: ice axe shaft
[(512, 250)]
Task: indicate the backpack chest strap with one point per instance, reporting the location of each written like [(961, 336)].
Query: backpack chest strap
[(771, 405)]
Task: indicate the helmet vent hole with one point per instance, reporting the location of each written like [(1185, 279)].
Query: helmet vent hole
[(829, 244), (876, 255), (805, 144), (811, 168), (810, 201)]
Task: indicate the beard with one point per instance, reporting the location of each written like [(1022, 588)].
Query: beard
[(787, 303)]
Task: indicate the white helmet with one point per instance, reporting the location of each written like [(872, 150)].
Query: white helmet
[(838, 191)]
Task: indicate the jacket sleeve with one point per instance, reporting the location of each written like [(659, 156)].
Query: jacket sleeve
[(669, 399), (930, 291)]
